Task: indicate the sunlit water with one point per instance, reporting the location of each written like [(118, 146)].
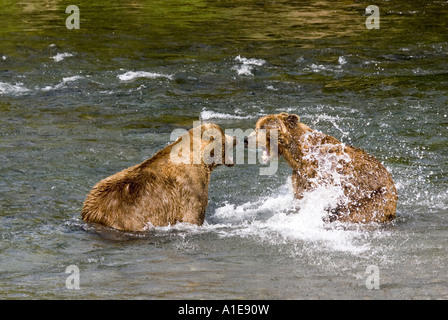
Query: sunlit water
[(79, 105)]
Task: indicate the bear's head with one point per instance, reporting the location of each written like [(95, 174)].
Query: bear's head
[(273, 134), (206, 144)]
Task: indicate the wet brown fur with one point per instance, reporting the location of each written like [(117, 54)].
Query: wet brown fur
[(157, 192), (368, 186)]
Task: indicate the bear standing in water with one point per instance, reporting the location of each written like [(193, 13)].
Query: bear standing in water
[(317, 159), (170, 187)]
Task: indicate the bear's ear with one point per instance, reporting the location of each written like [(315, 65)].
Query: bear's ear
[(291, 120)]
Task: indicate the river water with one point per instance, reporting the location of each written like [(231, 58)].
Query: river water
[(78, 105)]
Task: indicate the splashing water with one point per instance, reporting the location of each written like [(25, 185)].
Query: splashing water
[(280, 219)]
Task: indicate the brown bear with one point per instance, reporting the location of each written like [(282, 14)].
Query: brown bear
[(170, 187), (317, 159)]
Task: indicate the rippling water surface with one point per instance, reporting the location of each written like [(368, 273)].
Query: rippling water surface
[(79, 105)]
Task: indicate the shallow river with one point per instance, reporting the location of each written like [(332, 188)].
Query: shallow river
[(77, 105)]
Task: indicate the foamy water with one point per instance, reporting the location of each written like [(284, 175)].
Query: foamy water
[(132, 75), (209, 115), (7, 88), (62, 84), (280, 219), (245, 66)]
